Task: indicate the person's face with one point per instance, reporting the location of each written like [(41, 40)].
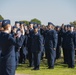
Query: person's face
[(36, 30), (39, 27), (21, 26), (68, 28), (72, 29), (50, 27), (18, 25), (58, 29), (31, 26), (75, 29), (14, 30), (46, 28), (65, 28), (25, 27)]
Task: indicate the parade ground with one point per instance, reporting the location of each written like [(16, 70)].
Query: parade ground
[(60, 69)]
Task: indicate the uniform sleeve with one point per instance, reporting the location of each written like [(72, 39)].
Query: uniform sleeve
[(40, 41), (74, 40), (18, 42), (55, 38)]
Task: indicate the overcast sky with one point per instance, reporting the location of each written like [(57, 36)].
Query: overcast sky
[(56, 11)]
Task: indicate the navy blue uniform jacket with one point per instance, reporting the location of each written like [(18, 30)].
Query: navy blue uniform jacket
[(36, 43), (51, 39), (7, 44)]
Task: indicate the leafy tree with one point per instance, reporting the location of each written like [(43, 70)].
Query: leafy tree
[(73, 23), (36, 21), (1, 18)]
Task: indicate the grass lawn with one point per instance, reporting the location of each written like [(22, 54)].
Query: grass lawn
[(60, 69)]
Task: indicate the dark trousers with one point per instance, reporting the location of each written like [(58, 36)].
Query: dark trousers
[(36, 58), (23, 54), (65, 53), (58, 52), (42, 52), (17, 55), (30, 58), (51, 56), (71, 57)]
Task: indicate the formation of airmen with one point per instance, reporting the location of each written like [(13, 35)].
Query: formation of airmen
[(32, 42)]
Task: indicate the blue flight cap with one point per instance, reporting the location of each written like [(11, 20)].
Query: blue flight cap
[(31, 23), (68, 25), (50, 23), (17, 22), (21, 23), (35, 23), (57, 26), (5, 22), (35, 27)]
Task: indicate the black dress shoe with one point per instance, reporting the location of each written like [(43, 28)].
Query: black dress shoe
[(71, 66), (50, 67), (30, 66), (35, 69)]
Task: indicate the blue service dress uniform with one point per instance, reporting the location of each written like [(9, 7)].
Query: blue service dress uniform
[(50, 44), (8, 62), (71, 45), (64, 46), (29, 42), (36, 49)]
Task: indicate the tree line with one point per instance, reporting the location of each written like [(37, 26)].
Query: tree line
[(35, 20)]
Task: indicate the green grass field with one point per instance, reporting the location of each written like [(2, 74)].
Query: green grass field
[(60, 69)]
